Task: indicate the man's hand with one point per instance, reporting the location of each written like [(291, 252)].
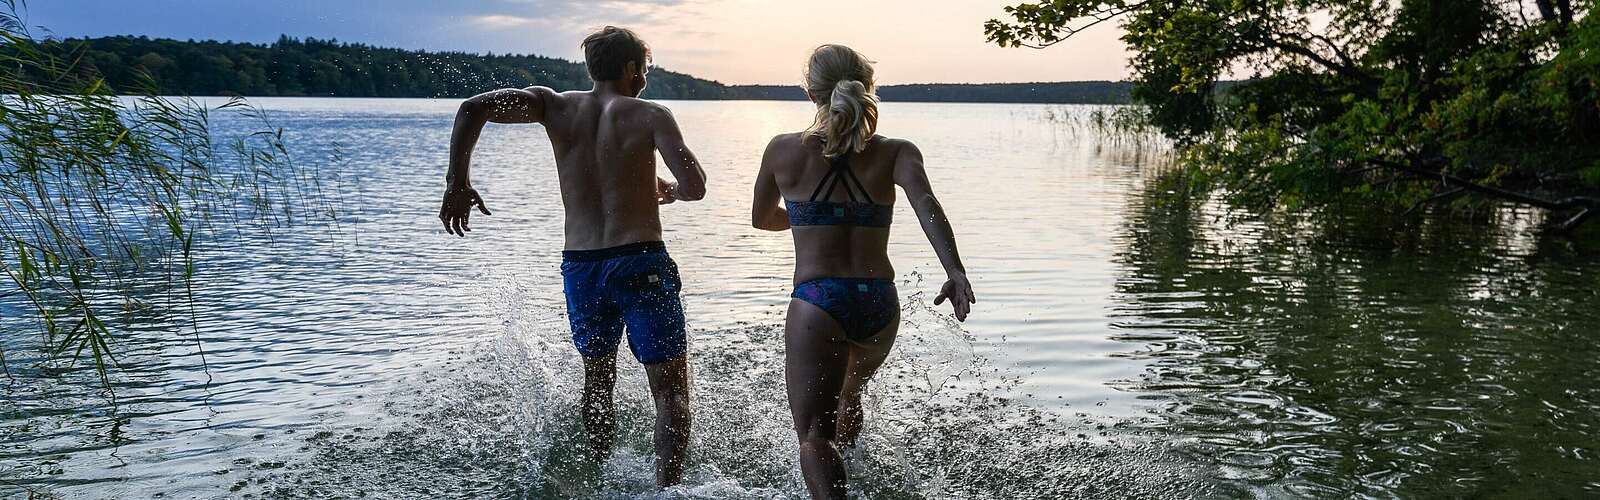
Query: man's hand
[(959, 291), (457, 207), (666, 191)]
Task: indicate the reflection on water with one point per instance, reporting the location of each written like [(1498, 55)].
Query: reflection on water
[(1363, 356), (1124, 345)]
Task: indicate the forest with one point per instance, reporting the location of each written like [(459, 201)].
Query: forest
[(329, 68)]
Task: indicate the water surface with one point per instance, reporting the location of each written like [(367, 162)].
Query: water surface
[(1129, 341)]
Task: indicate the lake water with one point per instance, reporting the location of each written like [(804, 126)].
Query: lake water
[(1128, 342)]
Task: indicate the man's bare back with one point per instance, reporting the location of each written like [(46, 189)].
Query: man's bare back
[(605, 146)]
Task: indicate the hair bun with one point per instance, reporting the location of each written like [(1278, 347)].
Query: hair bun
[(847, 94), (848, 117)]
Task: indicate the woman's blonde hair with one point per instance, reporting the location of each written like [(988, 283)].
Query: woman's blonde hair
[(839, 79)]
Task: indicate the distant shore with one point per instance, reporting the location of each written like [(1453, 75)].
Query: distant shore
[(311, 67), (1085, 92)]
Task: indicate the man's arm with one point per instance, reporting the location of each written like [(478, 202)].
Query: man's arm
[(913, 178), (499, 106), (766, 213), (691, 179)]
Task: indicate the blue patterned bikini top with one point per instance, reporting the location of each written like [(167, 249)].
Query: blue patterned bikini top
[(818, 211)]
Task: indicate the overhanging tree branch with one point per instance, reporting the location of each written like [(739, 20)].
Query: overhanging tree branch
[(1350, 71), (1066, 32)]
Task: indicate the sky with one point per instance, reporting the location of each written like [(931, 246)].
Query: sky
[(732, 41)]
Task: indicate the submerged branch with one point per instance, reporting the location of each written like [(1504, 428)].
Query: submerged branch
[(1587, 204), (1575, 220), (1441, 196)]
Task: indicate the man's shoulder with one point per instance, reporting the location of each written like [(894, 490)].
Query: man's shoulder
[(645, 107), (626, 104), (545, 93), (652, 114)]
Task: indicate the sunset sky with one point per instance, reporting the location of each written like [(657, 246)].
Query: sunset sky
[(733, 41)]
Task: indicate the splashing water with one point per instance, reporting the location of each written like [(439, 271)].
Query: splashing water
[(500, 419)]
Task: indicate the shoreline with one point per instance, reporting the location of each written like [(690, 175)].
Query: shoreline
[(669, 99)]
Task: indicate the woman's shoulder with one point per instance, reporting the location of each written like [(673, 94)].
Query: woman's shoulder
[(790, 139), (891, 145), (793, 142)]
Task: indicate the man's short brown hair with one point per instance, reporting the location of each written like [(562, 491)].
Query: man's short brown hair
[(607, 53)]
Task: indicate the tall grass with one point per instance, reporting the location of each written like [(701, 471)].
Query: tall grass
[(1121, 125), (104, 196)]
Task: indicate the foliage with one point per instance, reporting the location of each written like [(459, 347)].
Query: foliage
[(105, 197), (1394, 103)]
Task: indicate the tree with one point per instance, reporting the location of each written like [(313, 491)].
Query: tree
[(1403, 103)]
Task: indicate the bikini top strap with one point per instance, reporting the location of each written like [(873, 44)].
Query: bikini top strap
[(839, 171), (828, 181), (844, 165)]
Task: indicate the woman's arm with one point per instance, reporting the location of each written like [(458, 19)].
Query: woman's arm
[(913, 178), (766, 212)]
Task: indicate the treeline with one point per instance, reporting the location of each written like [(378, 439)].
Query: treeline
[(329, 68), (1047, 92)]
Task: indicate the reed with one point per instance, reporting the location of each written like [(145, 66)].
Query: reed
[(104, 195)]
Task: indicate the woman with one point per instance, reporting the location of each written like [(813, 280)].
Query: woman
[(836, 181)]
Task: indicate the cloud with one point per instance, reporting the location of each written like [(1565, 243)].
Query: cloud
[(652, 18), (580, 10), (502, 21), (554, 27)]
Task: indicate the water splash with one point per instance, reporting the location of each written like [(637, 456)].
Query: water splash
[(499, 419)]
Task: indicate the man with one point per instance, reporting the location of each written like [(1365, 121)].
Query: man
[(615, 268)]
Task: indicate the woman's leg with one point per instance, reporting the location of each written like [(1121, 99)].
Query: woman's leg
[(816, 358), (865, 358)]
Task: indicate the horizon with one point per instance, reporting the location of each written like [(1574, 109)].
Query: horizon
[(573, 61), (750, 44)]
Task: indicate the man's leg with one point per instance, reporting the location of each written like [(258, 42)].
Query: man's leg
[(669, 386), (599, 412), (596, 332), (657, 335)]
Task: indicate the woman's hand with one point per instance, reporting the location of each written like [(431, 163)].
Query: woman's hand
[(959, 291), (457, 206)]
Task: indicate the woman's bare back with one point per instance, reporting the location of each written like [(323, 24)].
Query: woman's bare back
[(798, 167)]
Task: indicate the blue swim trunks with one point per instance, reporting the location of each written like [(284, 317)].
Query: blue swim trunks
[(635, 285)]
